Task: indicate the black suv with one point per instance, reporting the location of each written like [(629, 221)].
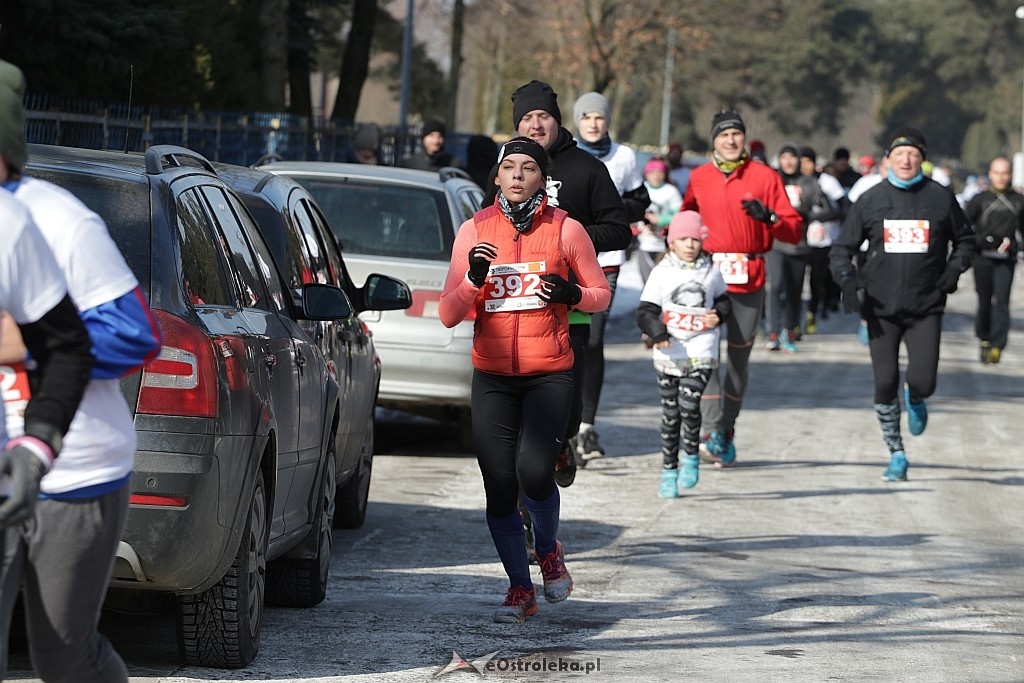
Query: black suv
[(236, 418), (305, 250)]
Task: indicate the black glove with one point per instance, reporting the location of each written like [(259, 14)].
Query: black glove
[(25, 470), (480, 258), (947, 282), (851, 297), (558, 290), (756, 209)]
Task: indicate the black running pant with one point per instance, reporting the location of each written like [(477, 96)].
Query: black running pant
[(921, 336), (518, 429), (593, 356), (993, 279)]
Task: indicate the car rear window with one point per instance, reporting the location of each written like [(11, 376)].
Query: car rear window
[(385, 219), (124, 207)]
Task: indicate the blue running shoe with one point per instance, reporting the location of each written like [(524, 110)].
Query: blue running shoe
[(667, 488), (897, 469), (917, 413), (862, 334), (787, 340), (721, 447), (689, 474)]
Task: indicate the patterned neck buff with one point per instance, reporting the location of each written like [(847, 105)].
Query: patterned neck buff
[(729, 166), (521, 215)]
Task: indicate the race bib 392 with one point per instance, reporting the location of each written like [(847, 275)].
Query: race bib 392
[(514, 287)]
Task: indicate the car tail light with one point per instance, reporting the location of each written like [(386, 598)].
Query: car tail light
[(425, 302), (158, 501), (182, 379)]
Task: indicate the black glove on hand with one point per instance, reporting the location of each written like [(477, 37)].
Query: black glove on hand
[(558, 290), (947, 282), (26, 470), (851, 300), (756, 209), (480, 258)]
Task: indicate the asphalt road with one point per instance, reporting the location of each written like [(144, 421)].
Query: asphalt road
[(797, 564)]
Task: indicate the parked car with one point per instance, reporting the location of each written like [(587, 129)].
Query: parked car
[(236, 418), (403, 222), (305, 250)]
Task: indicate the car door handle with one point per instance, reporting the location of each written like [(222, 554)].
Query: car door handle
[(300, 360)]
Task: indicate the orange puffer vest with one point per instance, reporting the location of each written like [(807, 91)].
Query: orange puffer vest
[(515, 333)]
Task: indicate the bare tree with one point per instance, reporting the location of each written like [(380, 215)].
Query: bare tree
[(458, 19), (356, 60), (274, 23)]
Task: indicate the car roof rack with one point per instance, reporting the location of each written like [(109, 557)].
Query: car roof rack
[(449, 172), (156, 155)]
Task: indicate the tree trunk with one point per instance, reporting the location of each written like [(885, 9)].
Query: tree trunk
[(356, 62), (274, 21), (299, 45), (458, 17)]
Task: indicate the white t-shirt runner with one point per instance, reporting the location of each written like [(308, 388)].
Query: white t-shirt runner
[(100, 444)]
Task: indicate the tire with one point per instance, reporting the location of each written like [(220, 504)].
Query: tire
[(353, 497), (221, 626), (465, 419), (302, 581)]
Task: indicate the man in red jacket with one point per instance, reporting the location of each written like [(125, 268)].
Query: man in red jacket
[(745, 208)]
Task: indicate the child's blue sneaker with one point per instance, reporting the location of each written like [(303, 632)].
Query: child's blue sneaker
[(689, 473), (917, 413), (721, 447), (668, 489), (862, 333), (787, 340), (897, 469)]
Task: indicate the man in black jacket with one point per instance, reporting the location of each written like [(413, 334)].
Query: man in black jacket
[(431, 156), (997, 216), (910, 222)]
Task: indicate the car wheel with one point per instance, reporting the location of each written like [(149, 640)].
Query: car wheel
[(221, 626), (355, 494), (465, 418), (302, 581)]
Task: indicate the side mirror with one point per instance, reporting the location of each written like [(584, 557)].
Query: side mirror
[(385, 293), (325, 302)]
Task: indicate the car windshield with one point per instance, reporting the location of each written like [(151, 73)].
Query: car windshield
[(385, 219)]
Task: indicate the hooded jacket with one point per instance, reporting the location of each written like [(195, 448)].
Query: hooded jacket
[(579, 184)]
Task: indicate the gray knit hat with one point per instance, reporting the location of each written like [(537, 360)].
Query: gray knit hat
[(591, 103), (12, 116)]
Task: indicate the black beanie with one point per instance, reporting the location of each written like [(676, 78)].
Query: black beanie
[(524, 145), (534, 95), (809, 153), (433, 126), (789, 147), (906, 135), (724, 120)]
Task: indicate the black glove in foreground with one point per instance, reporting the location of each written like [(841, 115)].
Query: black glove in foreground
[(756, 209), (480, 258), (26, 470), (560, 291)]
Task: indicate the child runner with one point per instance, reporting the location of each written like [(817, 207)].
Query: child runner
[(681, 308), (510, 266)]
